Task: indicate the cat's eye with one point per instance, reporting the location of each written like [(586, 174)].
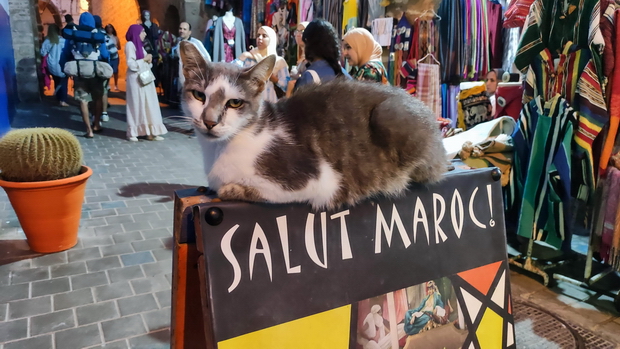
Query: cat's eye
[(199, 95), (234, 103)]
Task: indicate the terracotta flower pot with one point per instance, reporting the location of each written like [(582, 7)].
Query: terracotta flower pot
[(49, 211)]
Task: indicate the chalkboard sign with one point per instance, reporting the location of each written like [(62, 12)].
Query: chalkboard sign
[(424, 270)]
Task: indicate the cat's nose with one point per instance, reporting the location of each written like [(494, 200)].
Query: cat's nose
[(210, 124)]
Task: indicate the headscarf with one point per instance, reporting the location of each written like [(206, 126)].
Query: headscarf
[(271, 49), (364, 44), (273, 43), (133, 35)]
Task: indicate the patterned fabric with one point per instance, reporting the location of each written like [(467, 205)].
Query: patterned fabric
[(577, 81), (614, 101), (429, 89), (474, 107), (229, 34), (551, 26), (371, 71), (541, 186), (516, 13)]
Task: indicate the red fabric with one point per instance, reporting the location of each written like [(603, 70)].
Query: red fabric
[(512, 97), (614, 105), (517, 12), (608, 31)]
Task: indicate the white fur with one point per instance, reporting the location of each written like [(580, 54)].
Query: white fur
[(235, 162)]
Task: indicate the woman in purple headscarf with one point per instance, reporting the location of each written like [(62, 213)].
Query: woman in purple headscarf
[(143, 113)]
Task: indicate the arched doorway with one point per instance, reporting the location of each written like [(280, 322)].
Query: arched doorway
[(48, 14), (121, 14), (172, 19)]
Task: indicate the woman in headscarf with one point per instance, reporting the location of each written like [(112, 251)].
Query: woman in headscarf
[(266, 43), (143, 113), (363, 53)]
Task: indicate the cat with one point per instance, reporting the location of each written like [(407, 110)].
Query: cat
[(327, 145)]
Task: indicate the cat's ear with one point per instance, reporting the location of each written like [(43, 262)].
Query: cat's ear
[(192, 60), (262, 70)]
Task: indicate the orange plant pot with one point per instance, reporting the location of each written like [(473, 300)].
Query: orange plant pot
[(49, 211)]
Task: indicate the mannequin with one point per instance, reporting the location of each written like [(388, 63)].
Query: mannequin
[(152, 35), (228, 37)]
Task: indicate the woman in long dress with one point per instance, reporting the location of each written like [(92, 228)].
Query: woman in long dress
[(143, 113), (266, 42)]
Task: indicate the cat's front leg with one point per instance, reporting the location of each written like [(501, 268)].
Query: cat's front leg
[(233, 191)]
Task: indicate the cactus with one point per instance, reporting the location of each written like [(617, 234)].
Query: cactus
[(39, 154)]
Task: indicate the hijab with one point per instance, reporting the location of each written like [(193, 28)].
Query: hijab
[(133, 35), (271, 49), (364, 44)]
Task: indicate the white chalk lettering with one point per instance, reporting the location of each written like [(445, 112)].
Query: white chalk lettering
[(471, 210), (230, 256), (457, 225), (437, 218), (259, 235), (310, 245), (382, 226), (283, 230), (419, 216), (344, 234)]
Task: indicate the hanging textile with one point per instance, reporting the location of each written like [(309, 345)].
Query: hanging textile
[(543, 170), (306, 11), (349, 15), (362, 14), (258, 16), (381, 30), (550, 26), (399, 52), (496, 42), (375, 10), (452, 35), (246, 16), (511, 45), (613, 93), (333, 13), (428, 89), (474, 107), (516, 13)]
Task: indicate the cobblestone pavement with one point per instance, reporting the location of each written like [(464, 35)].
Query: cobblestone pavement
[(113, 289)]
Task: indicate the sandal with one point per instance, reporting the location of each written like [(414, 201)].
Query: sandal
[(86, 135), (97, 130)]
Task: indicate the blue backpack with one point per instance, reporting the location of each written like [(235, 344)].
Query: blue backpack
[(85, 40)]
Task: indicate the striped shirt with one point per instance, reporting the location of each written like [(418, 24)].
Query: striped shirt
[(110, 42)]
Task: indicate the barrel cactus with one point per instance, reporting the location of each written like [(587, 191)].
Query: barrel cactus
[(39, 154)]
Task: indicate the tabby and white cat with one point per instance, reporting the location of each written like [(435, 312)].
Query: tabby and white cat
[(327, 145)]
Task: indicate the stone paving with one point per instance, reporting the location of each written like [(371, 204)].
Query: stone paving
[(113, 289)]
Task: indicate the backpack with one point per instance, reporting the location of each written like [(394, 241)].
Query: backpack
[(85, 42)]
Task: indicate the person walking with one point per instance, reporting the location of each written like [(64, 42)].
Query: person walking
[(143, 112), (52, 48), (114, 45)]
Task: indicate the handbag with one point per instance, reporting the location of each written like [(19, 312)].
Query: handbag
[(146, 77), (87, 69)]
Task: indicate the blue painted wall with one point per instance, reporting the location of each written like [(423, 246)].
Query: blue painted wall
[(8, 84)]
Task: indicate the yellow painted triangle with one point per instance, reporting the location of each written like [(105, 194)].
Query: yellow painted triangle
[(490, 331), (326, 330)]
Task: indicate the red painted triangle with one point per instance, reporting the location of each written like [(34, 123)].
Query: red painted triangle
[(482, 277)]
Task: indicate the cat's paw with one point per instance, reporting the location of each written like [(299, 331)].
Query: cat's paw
[(233, 191)]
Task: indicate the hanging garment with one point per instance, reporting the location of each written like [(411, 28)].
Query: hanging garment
[(575, 78), (496, 42), (543, 170), (452, 35), (399, 51), (516, 13), (306, 10), (219, 44), (246, 15), (375, 10), (551, 26), (613, 92), (381, 29), (429, 89), (349, 16), (258, 16), (511, 46)]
